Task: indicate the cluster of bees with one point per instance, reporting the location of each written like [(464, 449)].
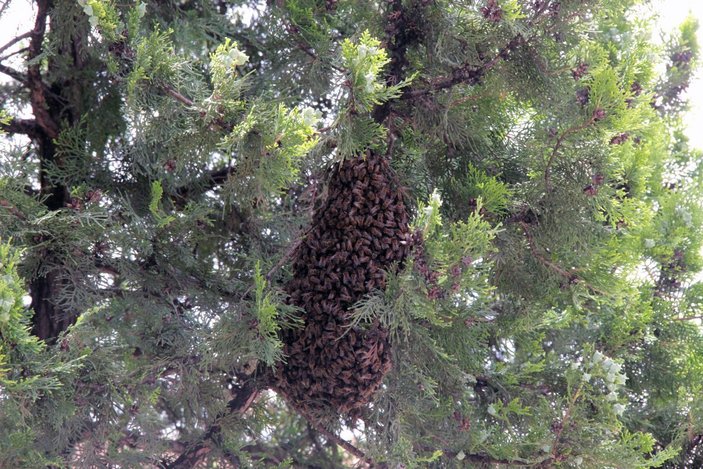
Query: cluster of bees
[(360, 231)]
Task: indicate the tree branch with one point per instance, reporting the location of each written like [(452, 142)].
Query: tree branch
[(197, 451), (177, 96), (688, 318), (18, 51), (204, 184), (34, 81), (467, 73), (485, 459), (12, 209), (348, 447), (12, 73), (558, 145), (471, 74), (15, 40), (570, 276), (21, 126), (401, 33)]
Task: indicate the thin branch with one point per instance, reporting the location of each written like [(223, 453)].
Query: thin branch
[(15, 40), (311, 53), (204, 184), (688, 318), (304, 46), (542, 259), (289, 253), (12, 209), (177, 96), (18, 51), (484, 459), (467, 73), (570, 276), (558, 145), (472, 75), (348, 447), (565, 421), (197, 451)]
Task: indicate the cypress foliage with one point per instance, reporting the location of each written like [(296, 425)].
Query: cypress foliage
[(312, 233)]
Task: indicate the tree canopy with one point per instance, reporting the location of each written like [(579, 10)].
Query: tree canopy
[(318, 234)]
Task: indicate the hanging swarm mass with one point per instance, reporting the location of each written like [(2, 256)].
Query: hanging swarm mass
[(360, 231)]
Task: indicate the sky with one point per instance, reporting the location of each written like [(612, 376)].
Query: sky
[(18, 19)]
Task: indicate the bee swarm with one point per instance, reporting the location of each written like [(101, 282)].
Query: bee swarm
[(360, 231)]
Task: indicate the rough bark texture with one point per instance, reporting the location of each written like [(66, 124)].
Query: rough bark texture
[(51, 104)]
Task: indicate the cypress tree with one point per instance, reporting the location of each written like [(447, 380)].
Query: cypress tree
[(318, 234)]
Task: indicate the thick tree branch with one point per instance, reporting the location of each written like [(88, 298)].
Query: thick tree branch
[(21, 126), (12, 73), (401, 33), (34, 81)]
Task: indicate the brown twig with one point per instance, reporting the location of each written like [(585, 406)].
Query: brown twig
[(543, 260), (688, 318), (203, 184), (348, 447), (18, 51), (467, 73), (485, 459), (288, 254), (570, 276), (311, 53), (560, 141), (472, 75), (565, 420), (197, 451), (177, 96), (12, 209)]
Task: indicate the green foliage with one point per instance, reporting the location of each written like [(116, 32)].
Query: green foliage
[(155, 61), (29, 372), (270, 143), (103, 15), (157, 191), (364, 62), (548, 314), (268, 346), (223, 63), (4, 117)]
